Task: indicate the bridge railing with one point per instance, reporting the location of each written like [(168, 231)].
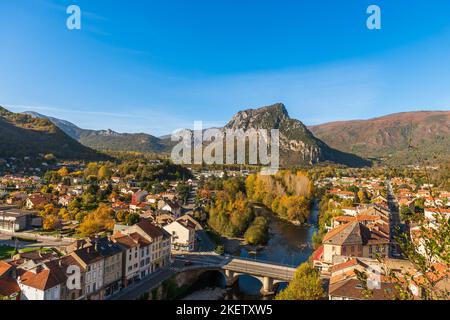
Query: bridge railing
[(263, 261)]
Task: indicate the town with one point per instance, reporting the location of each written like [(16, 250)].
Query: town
[(106, 230)]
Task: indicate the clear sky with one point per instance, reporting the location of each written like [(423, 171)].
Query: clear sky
[(155, 66)]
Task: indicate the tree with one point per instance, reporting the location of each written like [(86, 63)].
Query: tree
[(63, 172), (405, 213), (51, 222), (65, 214), (104, 173), (258, 231), (121, 216), (91, 170), (306, 285), (362, 196), (132, 219), (49, 210), (97, 221)]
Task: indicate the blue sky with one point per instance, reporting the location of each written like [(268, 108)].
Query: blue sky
[(156, 66)]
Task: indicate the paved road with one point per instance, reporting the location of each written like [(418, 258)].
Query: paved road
[(137, 289), (396, 224), (7, 241)]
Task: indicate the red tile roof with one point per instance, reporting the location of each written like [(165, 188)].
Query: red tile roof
[(317, 255), (8, 286), (4, 268), (44, 279)]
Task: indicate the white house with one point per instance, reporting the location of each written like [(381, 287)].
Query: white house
[(170, 206), (40, 282), (183, 235)]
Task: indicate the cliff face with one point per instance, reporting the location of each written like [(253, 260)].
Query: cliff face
[(298, 146)]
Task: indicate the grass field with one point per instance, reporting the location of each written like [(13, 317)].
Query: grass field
[(7, 252)]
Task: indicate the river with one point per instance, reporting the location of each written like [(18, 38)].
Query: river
[(289, 244)]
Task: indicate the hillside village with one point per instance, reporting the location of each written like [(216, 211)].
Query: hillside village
[(363, 237)]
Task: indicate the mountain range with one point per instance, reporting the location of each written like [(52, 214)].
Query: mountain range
[(297, 145), (107, 139), (399, 138), (389, 138), (22, 135)]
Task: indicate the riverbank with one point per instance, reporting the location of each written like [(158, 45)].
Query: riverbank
[(236, 245), (288, 244)]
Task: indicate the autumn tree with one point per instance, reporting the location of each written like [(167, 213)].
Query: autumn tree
[(49, 210), (257, 233), (104, 173), (306, 285), (51, 222), (362, 196), (97, 221), (63, 172), (287, 194)]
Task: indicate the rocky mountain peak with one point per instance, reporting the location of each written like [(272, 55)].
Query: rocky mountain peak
[(268, 117)]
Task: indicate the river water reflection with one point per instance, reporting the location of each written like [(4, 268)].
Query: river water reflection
[(289, 244)]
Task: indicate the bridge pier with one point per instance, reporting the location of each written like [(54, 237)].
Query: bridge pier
[(230, 278), (267, 288)]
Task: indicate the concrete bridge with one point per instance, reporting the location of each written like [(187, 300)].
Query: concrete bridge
[(268, 273)]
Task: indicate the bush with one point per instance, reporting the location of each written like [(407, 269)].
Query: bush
[(258, 232)]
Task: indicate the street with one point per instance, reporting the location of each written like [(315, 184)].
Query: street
[(396, 225)]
